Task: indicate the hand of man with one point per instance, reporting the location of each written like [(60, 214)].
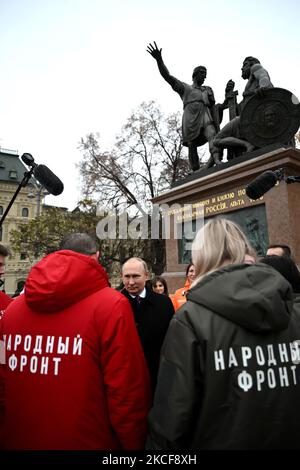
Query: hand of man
[(154, 51)]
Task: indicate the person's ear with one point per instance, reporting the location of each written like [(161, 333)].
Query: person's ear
[(95, 256)]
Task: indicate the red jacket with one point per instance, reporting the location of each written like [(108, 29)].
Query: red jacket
[(5, 300), (75, 375)]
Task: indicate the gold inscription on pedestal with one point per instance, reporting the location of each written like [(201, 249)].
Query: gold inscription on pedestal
[(217, 204)]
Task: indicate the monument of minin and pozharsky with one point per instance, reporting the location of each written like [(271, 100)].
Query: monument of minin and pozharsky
[(259, 137)]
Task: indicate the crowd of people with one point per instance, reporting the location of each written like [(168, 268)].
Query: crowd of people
[(212, 366)]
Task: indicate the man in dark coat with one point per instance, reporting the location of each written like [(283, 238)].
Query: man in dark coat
[(152, 312)]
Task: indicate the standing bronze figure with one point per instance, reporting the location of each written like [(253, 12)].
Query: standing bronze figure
[(200, 121)]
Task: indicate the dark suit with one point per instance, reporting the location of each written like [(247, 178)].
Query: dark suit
[(152, 317)]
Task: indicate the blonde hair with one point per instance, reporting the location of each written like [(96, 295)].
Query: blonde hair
[(219, 242)]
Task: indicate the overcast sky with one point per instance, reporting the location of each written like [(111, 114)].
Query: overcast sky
[(70, 67)]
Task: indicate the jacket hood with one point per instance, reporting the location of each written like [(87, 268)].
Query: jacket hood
[(255, 297), (61, 279)]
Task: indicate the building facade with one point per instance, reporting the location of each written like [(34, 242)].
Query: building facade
[(26, 206)]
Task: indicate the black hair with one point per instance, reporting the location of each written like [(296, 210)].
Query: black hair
[(163, 281), (286, 267), (4, 251), (285, 248), (188, 268)]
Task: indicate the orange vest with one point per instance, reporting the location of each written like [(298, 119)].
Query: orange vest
[(179, 298)]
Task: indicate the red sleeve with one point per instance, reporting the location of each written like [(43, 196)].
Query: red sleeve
[(5, 300), (125, 376), (2, 390)]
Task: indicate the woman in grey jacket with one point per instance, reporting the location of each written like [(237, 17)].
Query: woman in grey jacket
[(229, 375)]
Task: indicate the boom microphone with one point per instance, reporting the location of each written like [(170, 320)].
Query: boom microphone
[(44, 176), (48, 179), (263, 183)]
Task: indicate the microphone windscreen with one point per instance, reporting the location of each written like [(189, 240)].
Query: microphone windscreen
[(261, 184), (28, 159), (48, 179)]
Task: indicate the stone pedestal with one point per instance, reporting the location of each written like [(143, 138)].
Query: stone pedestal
[(274, 218)]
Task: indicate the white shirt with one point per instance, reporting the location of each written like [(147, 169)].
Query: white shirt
[(142, 294)]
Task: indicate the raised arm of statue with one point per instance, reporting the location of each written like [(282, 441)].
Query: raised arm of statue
[(156, 54)]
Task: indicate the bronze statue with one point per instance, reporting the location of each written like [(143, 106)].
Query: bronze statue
[(266, 115), (200, 121), (231, 135)]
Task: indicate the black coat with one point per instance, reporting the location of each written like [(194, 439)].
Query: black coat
[(152, 317), (229, 376)]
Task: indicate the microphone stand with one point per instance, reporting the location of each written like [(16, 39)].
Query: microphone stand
[(292, 179), (23, 183), (287, 179)]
